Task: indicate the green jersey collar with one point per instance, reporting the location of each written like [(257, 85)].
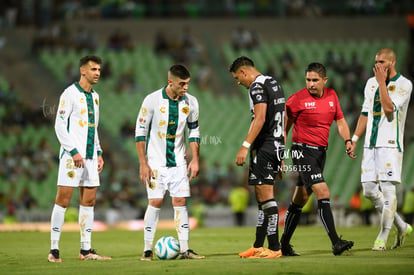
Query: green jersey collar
[(81, 89)]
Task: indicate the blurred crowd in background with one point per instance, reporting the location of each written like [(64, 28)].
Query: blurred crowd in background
[(120, 185)]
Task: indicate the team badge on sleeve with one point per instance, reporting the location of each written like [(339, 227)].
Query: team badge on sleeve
[(96, 101)]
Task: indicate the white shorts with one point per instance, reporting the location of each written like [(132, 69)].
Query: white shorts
[(381, 164), (173, 179), (72, 176)]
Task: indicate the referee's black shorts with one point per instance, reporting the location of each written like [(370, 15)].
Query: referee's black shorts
[(265, 162), (309, 161)]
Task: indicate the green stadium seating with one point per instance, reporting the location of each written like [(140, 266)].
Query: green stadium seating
[(224, 119)]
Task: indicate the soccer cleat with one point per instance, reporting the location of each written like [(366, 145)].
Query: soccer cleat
[(250, 252), (90, 254), (267, 254), (379, 245), (53, 256), (190, 254), (340, 246), (287, 250), (147, 255), (402, 236)]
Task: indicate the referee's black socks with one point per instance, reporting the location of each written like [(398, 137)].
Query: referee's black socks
[(325, 213), (291, 221)]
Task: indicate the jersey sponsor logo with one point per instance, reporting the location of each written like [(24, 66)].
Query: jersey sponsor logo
[(162, 110), (185, 110), (402, 91), (83, 111), (82, 100), (162, 123), (310, 105), (279, 101), (82, 123), (257, 91), (144, 111), (162, 135)]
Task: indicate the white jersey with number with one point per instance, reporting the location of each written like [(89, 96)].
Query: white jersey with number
[(383, 131), (76, 122), (162, 122)]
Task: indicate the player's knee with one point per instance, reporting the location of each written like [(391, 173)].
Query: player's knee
[(370, 190)]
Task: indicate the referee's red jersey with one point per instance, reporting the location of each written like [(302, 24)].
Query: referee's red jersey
[(312, 116)]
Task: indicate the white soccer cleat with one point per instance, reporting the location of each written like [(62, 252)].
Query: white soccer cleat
[(379, 245)]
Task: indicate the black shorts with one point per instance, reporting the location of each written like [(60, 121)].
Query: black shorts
[(264, 165), (309, 161)]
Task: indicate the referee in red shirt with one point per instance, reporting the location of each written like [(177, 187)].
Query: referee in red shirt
[(311, 111)]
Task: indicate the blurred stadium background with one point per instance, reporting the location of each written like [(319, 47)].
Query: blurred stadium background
[(41, 42)]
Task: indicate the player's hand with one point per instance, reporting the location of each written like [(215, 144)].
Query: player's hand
[(78, 161), (350, 149), (193, 169), (145, 173), (380, 73), (100, 164), (241, 156)]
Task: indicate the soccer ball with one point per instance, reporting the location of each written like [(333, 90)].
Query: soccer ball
[(167, 248)]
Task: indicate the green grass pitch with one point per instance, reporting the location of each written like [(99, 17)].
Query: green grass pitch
[(26, 253)]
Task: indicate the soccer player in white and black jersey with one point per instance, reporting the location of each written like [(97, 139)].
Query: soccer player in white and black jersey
[(266, 142)]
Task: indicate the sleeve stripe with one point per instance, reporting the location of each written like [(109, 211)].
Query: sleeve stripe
[(140, 138), (194, 140), (192, 125)]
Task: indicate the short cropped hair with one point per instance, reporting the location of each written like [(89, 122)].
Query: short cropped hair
[(239, 62), (317, 68), (179, 71), (84, 60)]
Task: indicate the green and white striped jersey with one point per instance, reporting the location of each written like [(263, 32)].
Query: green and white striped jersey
[(383, 131), (162, 122), (76, 123)]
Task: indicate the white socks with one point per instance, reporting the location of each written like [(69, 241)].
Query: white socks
[(86, 218), (56, 223), (150, 226), (385, 202), (182, 226)]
